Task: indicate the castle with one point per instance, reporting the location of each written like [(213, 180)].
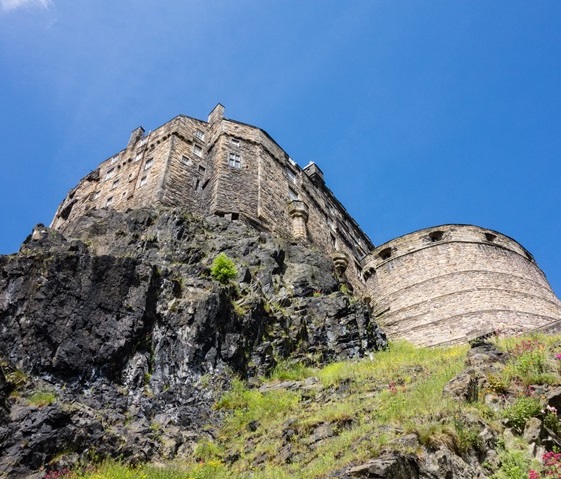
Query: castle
[(433, 286)]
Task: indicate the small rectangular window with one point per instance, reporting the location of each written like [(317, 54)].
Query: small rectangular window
[(96, 195), (110, 173), (291, 176), (235, 141), (202, 170), (143, 180), (200, 135), (197, 150), (109, 201), (114, 160), (115, 183), (138, 157), (293, 195), (234, 160), (148, 163)]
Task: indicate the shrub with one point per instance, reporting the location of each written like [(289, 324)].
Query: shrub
[(521, 410), (223, 268)]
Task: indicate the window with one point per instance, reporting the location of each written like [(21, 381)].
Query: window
[(197, 150), (293, 195), (234, 160), (143, 180), (115, 183), (385, 253), (490, 237), (96, 195), (436, 235), (114, 160), (109, 201), (202, 170), (200, 135), (110, 173), (235, 141), (186, 161), (197, 184), (291, 176), (148, 164), (143, 142), (138, 157), (124, 194)]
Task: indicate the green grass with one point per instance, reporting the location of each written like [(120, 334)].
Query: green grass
[(41, 398), (355, 408)]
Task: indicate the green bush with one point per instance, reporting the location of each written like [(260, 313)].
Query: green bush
[(521, 410), (223, 268)]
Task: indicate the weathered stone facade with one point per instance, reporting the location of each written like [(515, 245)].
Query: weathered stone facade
[(431, 286), (226, 168), (436, 285)]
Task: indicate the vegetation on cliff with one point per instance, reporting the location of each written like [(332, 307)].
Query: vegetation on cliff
[(406, 405)]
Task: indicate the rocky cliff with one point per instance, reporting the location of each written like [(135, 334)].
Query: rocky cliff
[(116, 341)]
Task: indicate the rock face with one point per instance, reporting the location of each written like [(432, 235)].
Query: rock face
[(116, 341)]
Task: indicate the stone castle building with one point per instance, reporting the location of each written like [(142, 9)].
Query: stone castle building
[(433, 286)]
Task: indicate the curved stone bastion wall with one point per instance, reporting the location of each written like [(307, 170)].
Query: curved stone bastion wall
[(441, 284)]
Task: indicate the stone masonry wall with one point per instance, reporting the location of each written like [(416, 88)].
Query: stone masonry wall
[(439, 284), (220, 167)]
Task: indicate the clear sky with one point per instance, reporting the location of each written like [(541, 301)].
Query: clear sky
[(420, 113)]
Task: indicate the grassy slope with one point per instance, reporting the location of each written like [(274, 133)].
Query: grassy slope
[(346, 413)]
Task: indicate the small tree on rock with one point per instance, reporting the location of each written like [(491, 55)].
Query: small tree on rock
[(223, 268)]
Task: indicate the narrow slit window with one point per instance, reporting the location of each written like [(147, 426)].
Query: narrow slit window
[(143, 180), (109, 201)]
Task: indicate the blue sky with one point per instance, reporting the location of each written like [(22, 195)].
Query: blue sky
[(420, 113)]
